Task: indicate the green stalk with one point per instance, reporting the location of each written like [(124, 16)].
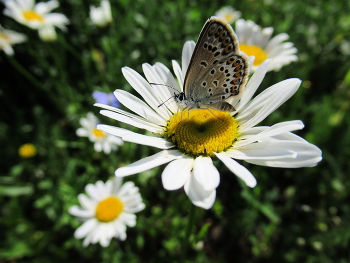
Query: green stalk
[(26, 73), (188, 232)]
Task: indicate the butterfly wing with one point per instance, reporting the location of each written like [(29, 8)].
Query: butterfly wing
[(218, 69)]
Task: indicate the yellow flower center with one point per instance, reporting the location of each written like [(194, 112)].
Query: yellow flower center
[(202, 131), (109, 209), (229, 17), (31, 15), (27, 150), (5, 37), (259, 54), (99, 133)]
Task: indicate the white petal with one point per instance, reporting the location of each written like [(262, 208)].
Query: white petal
[(117, 182), (177, 173), (267, 102), (253, 84), (85, 228), (96, 234), (77, 211), (160, 85), (167, 91), (102, 190), (276, 40), (187, 52), (128, 114), (138, 106), (56, 19), (206, 173), (107, 148), (268, 150), (86, 202), (82, 132), (134, 121), (105, 236), (237, 169), (92, 191), (122, 236), (128, 218), (198, 195), (86, 123), (305, 155), (145, 90), (44, 8), (109, 187), (98, 147), (87, 240), (119, 227), (274, 130), (148, 140), (8, 49), (266, 35), (166, 75), (135, 209), (149, 162), (115, 141), (130, 136), (125, 189), (104, 241)]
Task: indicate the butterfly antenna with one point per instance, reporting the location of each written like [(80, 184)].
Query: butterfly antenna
[(165, 101)]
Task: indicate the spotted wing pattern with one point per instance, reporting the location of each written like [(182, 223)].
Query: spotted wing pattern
[(218, 69)]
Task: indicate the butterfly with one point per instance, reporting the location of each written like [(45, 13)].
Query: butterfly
[(217, 70)]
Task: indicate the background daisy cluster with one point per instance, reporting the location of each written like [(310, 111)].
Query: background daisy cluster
[(48, 87)]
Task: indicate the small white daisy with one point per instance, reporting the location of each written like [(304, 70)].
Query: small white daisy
[(8, 38), (257, 42), (190, 139), (228, 13), (103, 141), (37, 16), (101, 16), (106, 211)]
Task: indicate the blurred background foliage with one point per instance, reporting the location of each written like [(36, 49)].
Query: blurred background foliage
[(299, 215)]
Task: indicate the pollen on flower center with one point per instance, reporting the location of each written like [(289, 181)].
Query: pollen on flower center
[(99, 133), (258, 52), (31, 15), (109, 209), (5, 38), (202, 132), (229, 17)]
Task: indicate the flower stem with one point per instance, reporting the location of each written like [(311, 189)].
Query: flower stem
[(22, 70), (26, 73), (188, 232), (70, 49)]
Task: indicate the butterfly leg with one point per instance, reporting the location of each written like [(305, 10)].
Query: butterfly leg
[(211, 112)]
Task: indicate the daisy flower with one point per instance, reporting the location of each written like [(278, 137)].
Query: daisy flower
[(101, 16), (8, 38), (103, 141), (37, 16), (228, 13), (27, 150), (257, 42), (189, 140), (106, 211)]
